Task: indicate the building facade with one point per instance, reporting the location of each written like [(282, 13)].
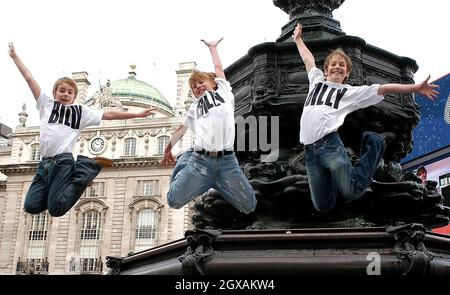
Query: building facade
[(123, 211)]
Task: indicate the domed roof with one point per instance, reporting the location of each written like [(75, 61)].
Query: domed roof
[(131, 91)]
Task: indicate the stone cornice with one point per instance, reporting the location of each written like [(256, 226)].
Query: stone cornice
[(131, 162), (5, 151), (22, 168), (154, 123), (138, 124)]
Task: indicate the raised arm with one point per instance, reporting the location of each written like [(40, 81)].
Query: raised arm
[(118, 115), (423, 88), (168, 157), (34, 86), (212, 45), (305, 54)]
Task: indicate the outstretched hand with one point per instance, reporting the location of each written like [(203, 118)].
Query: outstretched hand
[(146, 112), (297, 35), (11, 49), (168, 158), (427, 89), (212, 43)]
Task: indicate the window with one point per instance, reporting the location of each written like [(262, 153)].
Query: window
[(90, 241), (147, 187), (96, 190), (162, 143), (145, 230), (130, 147), (37, 237), (90, 225), (35, 153)]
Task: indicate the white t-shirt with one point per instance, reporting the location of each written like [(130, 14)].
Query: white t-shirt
[(211, 117), (328, 103), (61, 125)]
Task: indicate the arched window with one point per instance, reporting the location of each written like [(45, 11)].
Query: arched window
[(145, 236), (129, 148), (90, 260), (145, 223), (162, 143), (35, 153)]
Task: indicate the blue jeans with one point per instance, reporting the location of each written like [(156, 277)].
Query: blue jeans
[(195, 174), (59, 182), (330, 170), (182, 160)]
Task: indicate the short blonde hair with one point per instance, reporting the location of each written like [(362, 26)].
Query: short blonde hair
[(338, 52), (67, 80), (198, 76)]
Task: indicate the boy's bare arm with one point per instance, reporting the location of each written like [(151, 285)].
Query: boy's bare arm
[(168, 157), (212, 45), (305, 54), (32, 83), (118, 115), (423, 88)]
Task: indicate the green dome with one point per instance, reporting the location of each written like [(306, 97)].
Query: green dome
[(131, 91), (134, 90)]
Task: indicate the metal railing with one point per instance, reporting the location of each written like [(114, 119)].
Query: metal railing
[(32, 267), (86, 266)]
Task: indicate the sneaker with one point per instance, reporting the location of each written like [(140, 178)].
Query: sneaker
[(103, 162)]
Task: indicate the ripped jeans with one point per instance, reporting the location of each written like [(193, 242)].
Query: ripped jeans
[(195, 174)]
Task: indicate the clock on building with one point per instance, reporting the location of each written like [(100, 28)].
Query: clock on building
[(97, 145)]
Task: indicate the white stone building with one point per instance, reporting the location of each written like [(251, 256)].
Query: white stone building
[(124, 211)]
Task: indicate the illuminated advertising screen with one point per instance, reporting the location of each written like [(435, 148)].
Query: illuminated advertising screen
[(432, 133)]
